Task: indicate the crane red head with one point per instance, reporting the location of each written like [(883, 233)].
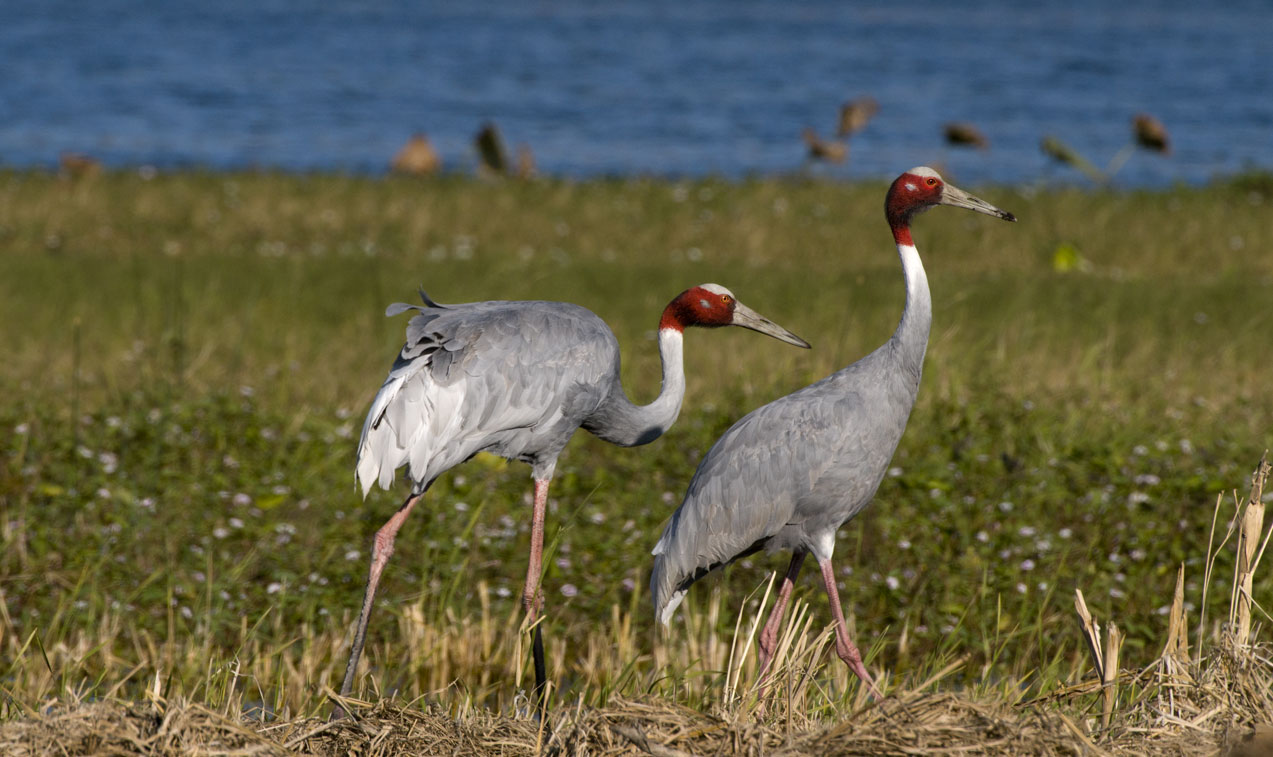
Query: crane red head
[(920, 189), (712, 305)]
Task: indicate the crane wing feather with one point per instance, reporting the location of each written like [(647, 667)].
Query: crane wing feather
[(496, 376), (767, 473)]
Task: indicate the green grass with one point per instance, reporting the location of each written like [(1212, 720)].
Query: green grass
[(187, 361)]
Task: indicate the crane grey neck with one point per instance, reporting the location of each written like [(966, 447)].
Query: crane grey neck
[(621, 422), (910, 340)]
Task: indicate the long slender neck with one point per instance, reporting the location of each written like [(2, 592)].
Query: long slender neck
[(910, 340), (621, 422)]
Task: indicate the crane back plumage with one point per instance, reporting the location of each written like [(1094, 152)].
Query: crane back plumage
[(511, 378), (790, 473)]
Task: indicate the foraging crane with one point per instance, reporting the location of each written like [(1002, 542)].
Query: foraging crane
[(791, 473), (855, 115), (516, 379), (824, 149), (963, 133)]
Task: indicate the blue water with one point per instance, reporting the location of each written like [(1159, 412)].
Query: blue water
[(653, 87)]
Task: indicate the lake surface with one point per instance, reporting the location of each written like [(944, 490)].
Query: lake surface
[(664, 88)]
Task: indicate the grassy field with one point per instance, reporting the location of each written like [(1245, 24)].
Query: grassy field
[(187, 360)]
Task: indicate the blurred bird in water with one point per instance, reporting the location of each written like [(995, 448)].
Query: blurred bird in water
[(855, 115), (965, 134), (1151, 134), (416, 158), (826, 150), (493, 158)]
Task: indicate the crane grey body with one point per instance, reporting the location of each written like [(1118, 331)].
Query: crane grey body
[(788, 475), (516, 379), (449, 397), (815, 457)]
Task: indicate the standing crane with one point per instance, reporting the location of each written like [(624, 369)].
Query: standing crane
[(516, 379), (791, 473)]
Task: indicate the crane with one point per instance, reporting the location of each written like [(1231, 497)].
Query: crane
[(516, 379), (789, 474)]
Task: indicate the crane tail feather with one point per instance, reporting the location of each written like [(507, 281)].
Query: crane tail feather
[(669, 609)]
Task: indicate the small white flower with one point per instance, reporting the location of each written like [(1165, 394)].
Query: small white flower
[(1005, 507), (983, 537), (904, 544), (1022, 588), (274, 588), (242, 500), (220, 532), (236, 523), (1027, 564), (352, 555), (1065, 533), (893, 583), (1026, 531), (21, 428), (569, 590)]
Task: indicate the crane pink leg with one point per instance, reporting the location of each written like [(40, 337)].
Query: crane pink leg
[(769, 635), (531, 598), (381, 550), (844, 646), (530, 595)]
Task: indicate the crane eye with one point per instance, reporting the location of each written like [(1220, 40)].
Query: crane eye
[(932, 182), (726, 299)]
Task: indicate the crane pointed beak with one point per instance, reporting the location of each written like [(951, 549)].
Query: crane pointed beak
[(953, 195), (750, 319)]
